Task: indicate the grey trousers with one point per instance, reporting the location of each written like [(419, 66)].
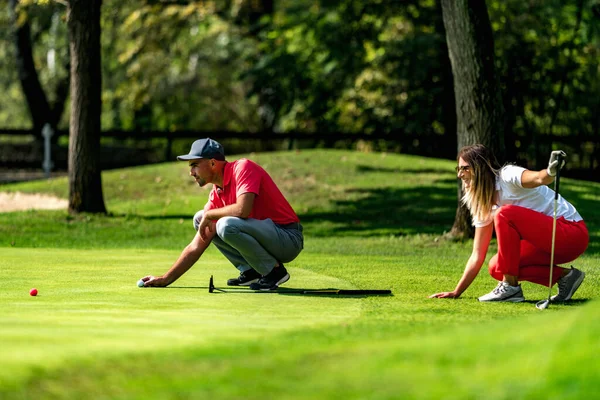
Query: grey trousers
[(252, 243)]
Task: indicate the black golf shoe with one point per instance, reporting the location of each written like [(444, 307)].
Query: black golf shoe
[(272, 280), (246, 278)]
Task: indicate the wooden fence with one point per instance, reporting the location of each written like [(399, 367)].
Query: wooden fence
[(125, 148)]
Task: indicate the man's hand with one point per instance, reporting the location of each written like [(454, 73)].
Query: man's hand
[(553, 166), (155, 281), (205, 224)]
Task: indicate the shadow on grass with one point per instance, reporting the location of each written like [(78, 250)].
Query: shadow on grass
[(369, 169), (323, 292), (388, 211), (569, 303), (584, 196), (572, 303), (157, 217), (423, 210)]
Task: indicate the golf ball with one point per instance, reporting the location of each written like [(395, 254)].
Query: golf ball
[(140, 283), (33, 292)]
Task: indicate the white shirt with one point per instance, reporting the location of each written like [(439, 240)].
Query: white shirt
[(509, 190)]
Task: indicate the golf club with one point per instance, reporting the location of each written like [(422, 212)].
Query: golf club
[(543, 304), (327, 292)]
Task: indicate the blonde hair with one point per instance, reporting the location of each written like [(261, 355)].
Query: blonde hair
[(479, 197)]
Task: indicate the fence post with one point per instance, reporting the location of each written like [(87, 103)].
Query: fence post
[(47, 133)]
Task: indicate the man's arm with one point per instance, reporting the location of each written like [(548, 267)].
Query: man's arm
[(241, 209), (190, 254)]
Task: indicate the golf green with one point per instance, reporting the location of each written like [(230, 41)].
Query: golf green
[(89, 305)]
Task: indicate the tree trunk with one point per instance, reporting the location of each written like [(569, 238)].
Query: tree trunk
[(85, 183), (448, 103), (479, 109), (37, 102)]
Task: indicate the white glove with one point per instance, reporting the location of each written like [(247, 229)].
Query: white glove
[(553, 163)]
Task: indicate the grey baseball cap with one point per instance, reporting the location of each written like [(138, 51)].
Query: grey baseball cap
[(204, 148)]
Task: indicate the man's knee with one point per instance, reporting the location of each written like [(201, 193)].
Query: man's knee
[(197, 219), (228, 226)]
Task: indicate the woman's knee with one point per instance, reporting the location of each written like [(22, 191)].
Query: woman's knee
[(506, 213), (493, 268)]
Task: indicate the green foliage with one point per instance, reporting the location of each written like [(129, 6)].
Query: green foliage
[(50, 45), (322, 66), (354, 66), (174, 67), (547, 51)]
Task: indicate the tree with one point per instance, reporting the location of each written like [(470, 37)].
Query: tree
[(479, 109), (41, 110), (85, 184)]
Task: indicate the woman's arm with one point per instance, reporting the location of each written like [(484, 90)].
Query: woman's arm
[(481, 243), (533, 179)]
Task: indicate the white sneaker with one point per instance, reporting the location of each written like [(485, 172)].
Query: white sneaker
[(504, 292), (568, 284)]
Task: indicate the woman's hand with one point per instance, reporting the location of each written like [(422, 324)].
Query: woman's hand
[(444, 295), (556, 157)]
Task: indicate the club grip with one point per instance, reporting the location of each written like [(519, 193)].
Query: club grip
[(560, 160)]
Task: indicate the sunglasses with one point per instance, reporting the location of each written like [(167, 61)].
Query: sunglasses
[(463, 168)]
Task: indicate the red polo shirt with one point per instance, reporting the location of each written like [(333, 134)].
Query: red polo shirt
[(245, 176)]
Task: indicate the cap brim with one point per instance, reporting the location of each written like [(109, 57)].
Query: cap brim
[(188, 157)]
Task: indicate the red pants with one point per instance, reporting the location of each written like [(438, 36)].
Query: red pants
[(525, 241)]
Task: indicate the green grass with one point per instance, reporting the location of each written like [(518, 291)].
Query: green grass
[(371, 221)]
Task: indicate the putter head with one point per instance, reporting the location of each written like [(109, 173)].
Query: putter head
[(211, 286), (542, 304)]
